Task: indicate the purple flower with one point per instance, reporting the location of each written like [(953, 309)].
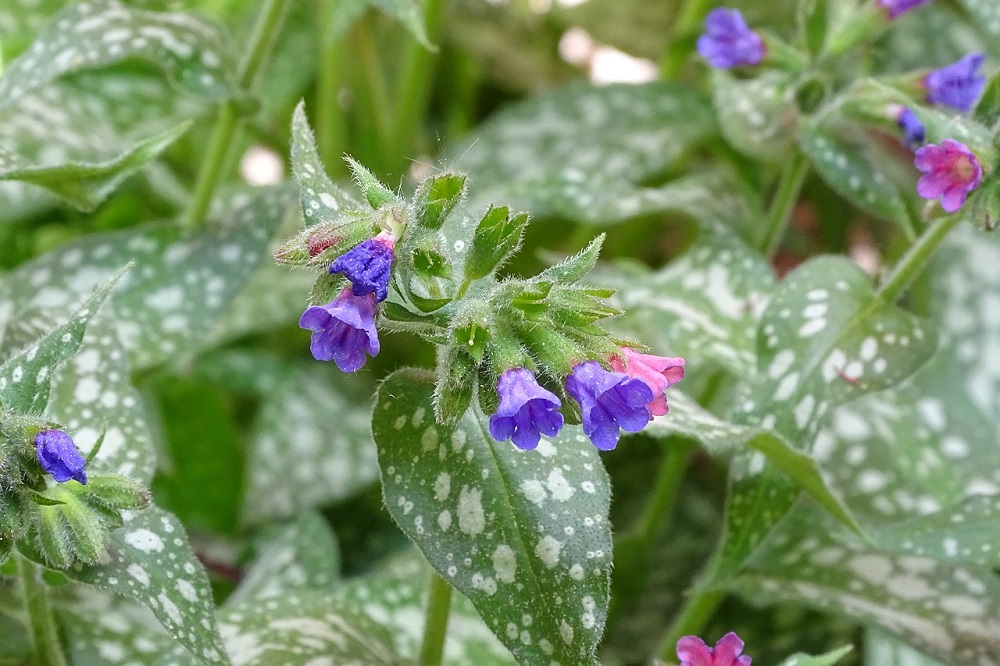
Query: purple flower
[(658, 373), (343, 330), (896, 8), (526, 411), (913, 129), (950, 171), (58, 456), (957, 85), (728, 41), (609, 401), (692, 651), (367, 265)]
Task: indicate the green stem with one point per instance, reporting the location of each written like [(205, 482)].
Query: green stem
[(264, 34), (415, 84), (789, 186), (697, 611), (436, 622), (916, 258), (374, 95), (688, 18), (331, 126), (44, 633), (668, 486)]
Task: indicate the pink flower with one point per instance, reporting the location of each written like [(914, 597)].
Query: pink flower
[(950, 171), (692, 651), (658, 372)]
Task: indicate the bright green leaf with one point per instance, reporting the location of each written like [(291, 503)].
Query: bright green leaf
[(756, 115), (498, 522)]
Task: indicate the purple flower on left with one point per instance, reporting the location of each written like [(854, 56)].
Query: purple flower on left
[(343, 330), (526, 410), (728, 41), (58, 456)]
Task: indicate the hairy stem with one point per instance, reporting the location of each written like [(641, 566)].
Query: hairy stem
[(780, 212), (264, 34), (436, 621), (44, 633), (697, 611), (916, 258)]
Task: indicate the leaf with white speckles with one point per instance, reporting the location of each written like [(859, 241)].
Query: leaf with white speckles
[(26, 378), (851, 173), (523, 534), (703, 305), (96, 33), (881, 649), (396, 595), (93, 396), (150, 560), (87, 184), (307, 627), (985, 14), (828, 659), (951, 612), (311, 440), (302, 555), (181, 283), (554, 154), (756, 115)]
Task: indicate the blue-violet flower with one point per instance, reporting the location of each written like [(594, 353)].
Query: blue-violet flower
[(950, 171), (368, 265), (526, 411), (343, 330), (59, 456), (957, 85), (896, 8), (692, 651), (609, 401), (728, 41), (658, 373), (913, 130)]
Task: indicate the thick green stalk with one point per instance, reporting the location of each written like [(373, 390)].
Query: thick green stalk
[(669, 480), (436, 621), (264, 34), (44, 633), (690, 15), (916, 258), (415, 83), (697, 611), (780, 212), (331, 126), (373, 96)]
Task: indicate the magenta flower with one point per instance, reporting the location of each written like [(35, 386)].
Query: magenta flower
[(950, 171), (526, 411), (957, 85), (368, 266), (658, 373), (896, 8), (343, 330), (728, 41), (913, 129), (58, 456), (692, 651), (609, 401)]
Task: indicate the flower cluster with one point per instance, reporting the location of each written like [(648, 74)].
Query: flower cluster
[(692, 651), (344, 329), (624, 398)]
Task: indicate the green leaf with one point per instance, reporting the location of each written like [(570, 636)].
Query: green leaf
[(573, 269), (310, 443), (984, 14), (396, 594), (756, 115), (85, 185), (828, 659), (149, 560), (86, 35), (497, 238), (851, 173), (529, 528), (881, 649), (580, 152), (409, 15), (181, 284), (437, 197), (703, 305), (26, 378), (93, 397), (299, 556)]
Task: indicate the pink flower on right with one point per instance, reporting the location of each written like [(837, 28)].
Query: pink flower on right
[(658, 372), (950, 171), (692, 651)]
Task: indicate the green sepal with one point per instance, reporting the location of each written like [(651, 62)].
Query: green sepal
[(115, 492), (504, 351), (376, 193), (326, 288), (985, 206), (454, 384), (13, 513), (576, 267), (470, 329), (487, 393), (555, 351), (529, 297), (72, 531), (321, 243), (431, 262), (497, 238), (429, 293), (42, 500), (437, 197)]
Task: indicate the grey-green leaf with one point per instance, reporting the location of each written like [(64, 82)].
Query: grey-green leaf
[(828, 659), (528, 527)]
